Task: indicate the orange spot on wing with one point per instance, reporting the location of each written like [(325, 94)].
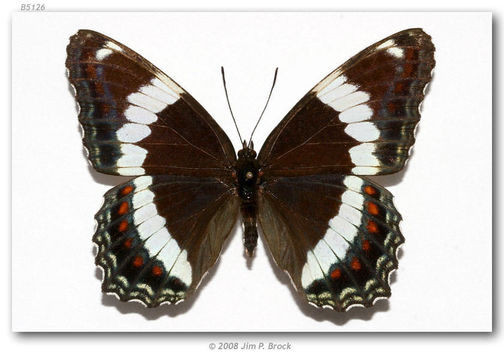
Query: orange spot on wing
[(411, 54), (157, 270), (407, 70), (88, 54), (399, 87), (372, 227), (391, 107), (365, 245), (126, 190), (369, 190), (138, 261), (90, 70), (127, 243), (104, 108), (123, 208), (123, 226), (99, 88), (336, 274), (355, 264), (372, 208)]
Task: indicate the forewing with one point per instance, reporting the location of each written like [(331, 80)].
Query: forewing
[(335, 235), (135, 119), (361, 118), (158, 235)]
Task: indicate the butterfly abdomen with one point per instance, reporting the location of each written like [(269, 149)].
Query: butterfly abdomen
[(249, 222)]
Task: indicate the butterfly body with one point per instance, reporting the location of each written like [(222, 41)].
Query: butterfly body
[(248, 177), (331, 229)]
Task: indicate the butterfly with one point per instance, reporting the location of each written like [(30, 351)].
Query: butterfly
[(334, 231)]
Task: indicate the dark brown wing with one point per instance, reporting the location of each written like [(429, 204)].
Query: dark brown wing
[(136, 119), (335, 235), (158, 235), (361, 118)]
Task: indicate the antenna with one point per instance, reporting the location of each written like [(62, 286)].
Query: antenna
[(267, 101), (229, 104)]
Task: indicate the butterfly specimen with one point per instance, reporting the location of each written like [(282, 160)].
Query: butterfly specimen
[(334, 231)]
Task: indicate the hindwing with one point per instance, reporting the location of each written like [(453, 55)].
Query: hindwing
[(335, 235), (158, 235)]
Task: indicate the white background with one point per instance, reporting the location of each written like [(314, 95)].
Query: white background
[(444, 278)]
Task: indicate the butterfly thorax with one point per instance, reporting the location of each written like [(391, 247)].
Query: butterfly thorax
[(247, 175)]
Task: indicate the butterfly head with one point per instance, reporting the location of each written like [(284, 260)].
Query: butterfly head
[(247, 152)]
